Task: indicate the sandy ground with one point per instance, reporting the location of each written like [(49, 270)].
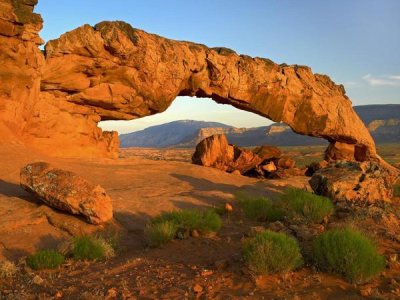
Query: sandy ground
[(139, 187)]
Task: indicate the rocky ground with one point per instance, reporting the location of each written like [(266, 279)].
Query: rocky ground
[(193, 268)]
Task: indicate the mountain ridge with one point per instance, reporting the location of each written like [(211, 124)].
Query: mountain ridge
[(382, 120)]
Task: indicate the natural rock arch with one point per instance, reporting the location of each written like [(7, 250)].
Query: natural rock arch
[(114, 72)]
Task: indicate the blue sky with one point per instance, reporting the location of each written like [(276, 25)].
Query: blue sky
[(355, 42)]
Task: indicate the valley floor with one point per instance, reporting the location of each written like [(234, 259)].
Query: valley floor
[(142, 188)]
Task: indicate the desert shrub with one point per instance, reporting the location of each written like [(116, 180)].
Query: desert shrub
[(7, 269), (160, 233), (259, 208), (164, 227), (80, 247), (348, 252), (312, 207), (271, 252), (90, 248), (206, 221), (45, 259)]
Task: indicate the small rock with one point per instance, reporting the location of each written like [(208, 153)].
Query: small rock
[(254, 230), (195, 233), (58, 295), (228, 207), (270, 167), (197, 288), (182, 233), (112, 293), (393, 257), (206, 273), (276, 226), (236, 172), (37, 280), (365, 292)]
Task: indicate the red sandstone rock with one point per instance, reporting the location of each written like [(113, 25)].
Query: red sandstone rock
[(366, 182), (67, 192), (285, 162), (114, 72), (215, 152), (267, 152)]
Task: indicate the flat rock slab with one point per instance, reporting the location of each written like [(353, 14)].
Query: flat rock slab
[(67, 191)]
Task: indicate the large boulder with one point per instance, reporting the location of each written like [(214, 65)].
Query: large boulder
[(67, 191), (362, 183), (267, 152), (215, 152)]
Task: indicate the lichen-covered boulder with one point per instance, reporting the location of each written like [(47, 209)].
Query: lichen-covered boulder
[(359, 182), (67, 192)]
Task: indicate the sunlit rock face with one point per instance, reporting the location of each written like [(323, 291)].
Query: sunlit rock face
[(114, 72)]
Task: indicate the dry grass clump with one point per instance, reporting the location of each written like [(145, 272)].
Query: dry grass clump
[(271, 252), (7, 269)]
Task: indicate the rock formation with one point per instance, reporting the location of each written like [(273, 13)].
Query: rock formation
[(262, 161), (114, 72), (360, 183), (66, 191)]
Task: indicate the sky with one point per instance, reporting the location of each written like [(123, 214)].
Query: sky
[(355, 42)]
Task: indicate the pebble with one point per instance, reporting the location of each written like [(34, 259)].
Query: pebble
[(197, 288), (228, 207), (37, 280), (206, 272), (112, 293), (195, 233)]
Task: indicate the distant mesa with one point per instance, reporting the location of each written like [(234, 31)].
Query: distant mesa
[(383, 122), (53, 100)]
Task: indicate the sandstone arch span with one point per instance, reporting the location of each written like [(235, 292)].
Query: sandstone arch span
[(114, 72)]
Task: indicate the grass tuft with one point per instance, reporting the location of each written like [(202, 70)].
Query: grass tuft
[(271, 252), (160, 233), (164, 227), (348, 252), (312, 207), (90, 248), (206, 221), (259, 208), (45, 259)]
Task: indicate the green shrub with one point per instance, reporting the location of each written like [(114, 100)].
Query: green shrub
[(164, 227), (259, 208), (206, 221), (160, 233), (45, 259), (89, 248), (312, 207), (347, 252), (271, 252)]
